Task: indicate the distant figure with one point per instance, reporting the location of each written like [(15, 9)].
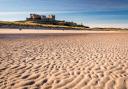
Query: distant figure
[(20, 29)]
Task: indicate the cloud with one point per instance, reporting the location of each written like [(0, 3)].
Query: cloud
[(106, 4), (38, 12)]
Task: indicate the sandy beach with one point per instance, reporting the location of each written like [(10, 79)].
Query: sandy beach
[(57, 60), (41, 31)]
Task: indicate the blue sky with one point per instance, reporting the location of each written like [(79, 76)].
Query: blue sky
[(94, 13)]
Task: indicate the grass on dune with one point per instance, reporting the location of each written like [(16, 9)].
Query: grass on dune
[(30, 23)]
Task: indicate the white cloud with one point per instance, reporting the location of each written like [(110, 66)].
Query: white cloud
[(38, 12)]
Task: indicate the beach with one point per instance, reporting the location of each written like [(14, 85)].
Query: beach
[(36, 59), (41, 31)]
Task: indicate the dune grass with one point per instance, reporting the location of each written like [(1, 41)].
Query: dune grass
[(31, 24)]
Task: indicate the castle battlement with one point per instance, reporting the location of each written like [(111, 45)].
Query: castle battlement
[(34, 17)]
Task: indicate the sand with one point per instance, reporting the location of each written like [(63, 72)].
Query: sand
[(79, 61), (41, 31)]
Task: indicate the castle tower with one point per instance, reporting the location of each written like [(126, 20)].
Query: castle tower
[(51, 17)]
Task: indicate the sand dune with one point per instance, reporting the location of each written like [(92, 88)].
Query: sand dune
[(87, 61)]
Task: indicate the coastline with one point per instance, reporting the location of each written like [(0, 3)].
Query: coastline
[(43, 31)]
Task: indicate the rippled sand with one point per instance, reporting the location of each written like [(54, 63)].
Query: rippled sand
[(80, 61)]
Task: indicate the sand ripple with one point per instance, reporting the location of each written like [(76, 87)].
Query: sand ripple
[(90, 61)]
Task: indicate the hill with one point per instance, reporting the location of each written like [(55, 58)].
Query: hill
[(33, 25), (36, 21)]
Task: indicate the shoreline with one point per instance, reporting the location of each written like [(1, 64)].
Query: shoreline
[(40, 31)]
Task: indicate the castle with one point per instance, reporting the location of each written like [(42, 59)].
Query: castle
[(50, 19), (35, 17)]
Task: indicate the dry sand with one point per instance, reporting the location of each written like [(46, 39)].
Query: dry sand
[(79, 61), (39, 31)]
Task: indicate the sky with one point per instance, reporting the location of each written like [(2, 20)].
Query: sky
[(93, 13)]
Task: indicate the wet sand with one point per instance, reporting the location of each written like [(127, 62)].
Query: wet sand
[(64, 61)]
